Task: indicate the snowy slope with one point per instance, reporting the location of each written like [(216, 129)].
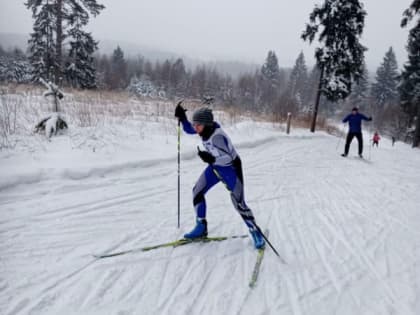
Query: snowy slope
[(348, 228)]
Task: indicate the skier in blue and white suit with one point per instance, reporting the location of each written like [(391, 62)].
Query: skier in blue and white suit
[(224, 165)]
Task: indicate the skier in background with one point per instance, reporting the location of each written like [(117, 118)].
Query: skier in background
[(224, 165), (376, 139), (355, 130)]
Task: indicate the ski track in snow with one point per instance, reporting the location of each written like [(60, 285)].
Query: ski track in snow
[(347, 229)]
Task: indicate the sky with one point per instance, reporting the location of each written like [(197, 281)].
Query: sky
[(243, 30)]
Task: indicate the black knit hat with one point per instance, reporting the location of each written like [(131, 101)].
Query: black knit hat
[(203, 116), (355, 109)]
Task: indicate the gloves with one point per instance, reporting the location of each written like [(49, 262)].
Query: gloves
[(180, 112), (370, 118), (206, 157)]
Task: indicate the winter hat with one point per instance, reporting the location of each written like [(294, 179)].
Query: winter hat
[(355, 109), (203, 116)]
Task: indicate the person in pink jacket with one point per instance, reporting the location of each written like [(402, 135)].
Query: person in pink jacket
[(375, 139)]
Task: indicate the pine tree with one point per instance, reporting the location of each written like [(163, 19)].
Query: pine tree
[(410, 76), (55, 22), (178, 77), (359, 94), (41, 42), (340, 58), (80, 69), (298, 81), (118, 74), (384, 89), (270, 80)]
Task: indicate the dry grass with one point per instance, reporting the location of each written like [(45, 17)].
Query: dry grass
[(23, 106)]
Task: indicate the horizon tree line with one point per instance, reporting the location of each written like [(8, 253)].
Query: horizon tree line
[(61, 51)]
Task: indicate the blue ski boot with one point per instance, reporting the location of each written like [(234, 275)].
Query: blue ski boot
[(199, 231), (259, 241)]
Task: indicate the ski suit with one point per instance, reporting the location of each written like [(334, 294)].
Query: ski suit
[(226, 168)]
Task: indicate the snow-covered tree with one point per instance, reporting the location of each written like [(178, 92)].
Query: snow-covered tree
[(118, 74), (15, 67), (340, 57), (54, 23), (41, 43), (178, 77), (410, 77), (270, 80), (360, 90), (298, 81), (80, 68), (384, 89)]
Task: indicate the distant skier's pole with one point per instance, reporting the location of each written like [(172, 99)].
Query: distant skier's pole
[(179, 169)]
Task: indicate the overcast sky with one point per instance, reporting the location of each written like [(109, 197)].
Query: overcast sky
[(226, 29)]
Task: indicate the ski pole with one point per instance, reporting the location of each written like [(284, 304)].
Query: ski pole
[(179, 166), (179, 169)]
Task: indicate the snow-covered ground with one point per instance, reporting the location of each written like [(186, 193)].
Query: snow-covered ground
[(348, 228)]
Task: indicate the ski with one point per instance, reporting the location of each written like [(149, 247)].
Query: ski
[(176, 243), (257, 266)]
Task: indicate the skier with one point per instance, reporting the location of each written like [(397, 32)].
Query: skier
[(376, 139), (224, 165), (355, 130)]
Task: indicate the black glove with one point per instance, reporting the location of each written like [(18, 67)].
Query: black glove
[(206, 157), (370, 118), (180, 112)]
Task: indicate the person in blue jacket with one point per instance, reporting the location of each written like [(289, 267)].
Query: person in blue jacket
[(224, 164), (355, 129)]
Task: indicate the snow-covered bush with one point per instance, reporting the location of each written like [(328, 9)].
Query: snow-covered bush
[(143, 86), (14, 70)]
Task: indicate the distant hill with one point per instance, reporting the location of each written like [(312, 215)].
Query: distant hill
[(131, 50)]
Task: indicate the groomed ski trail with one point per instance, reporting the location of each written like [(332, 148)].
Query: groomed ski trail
[(348, 230)]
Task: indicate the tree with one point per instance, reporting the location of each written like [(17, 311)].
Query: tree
[(359, 94), (270, 80), (80, 69), (55, 22), (384, 89), (118, 75), (410, 77), (340, 57), (178, 77), (41, 43), (298, 80)]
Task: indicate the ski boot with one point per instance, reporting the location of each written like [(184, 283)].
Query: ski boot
[(344, 155), (199, 231), (259, 241)]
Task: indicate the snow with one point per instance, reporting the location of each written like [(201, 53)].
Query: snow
[(347, 227)]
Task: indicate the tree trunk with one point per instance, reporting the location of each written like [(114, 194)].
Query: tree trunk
[(59, 41), (318, 96)]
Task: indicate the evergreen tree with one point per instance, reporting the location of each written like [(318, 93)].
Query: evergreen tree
[(55, 21), (410, 76), (340, 58), (298, 80), (359, 94), (118, 75), (41, 42), (178, 77), (384, 89), (270, 80), (80, 70)]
